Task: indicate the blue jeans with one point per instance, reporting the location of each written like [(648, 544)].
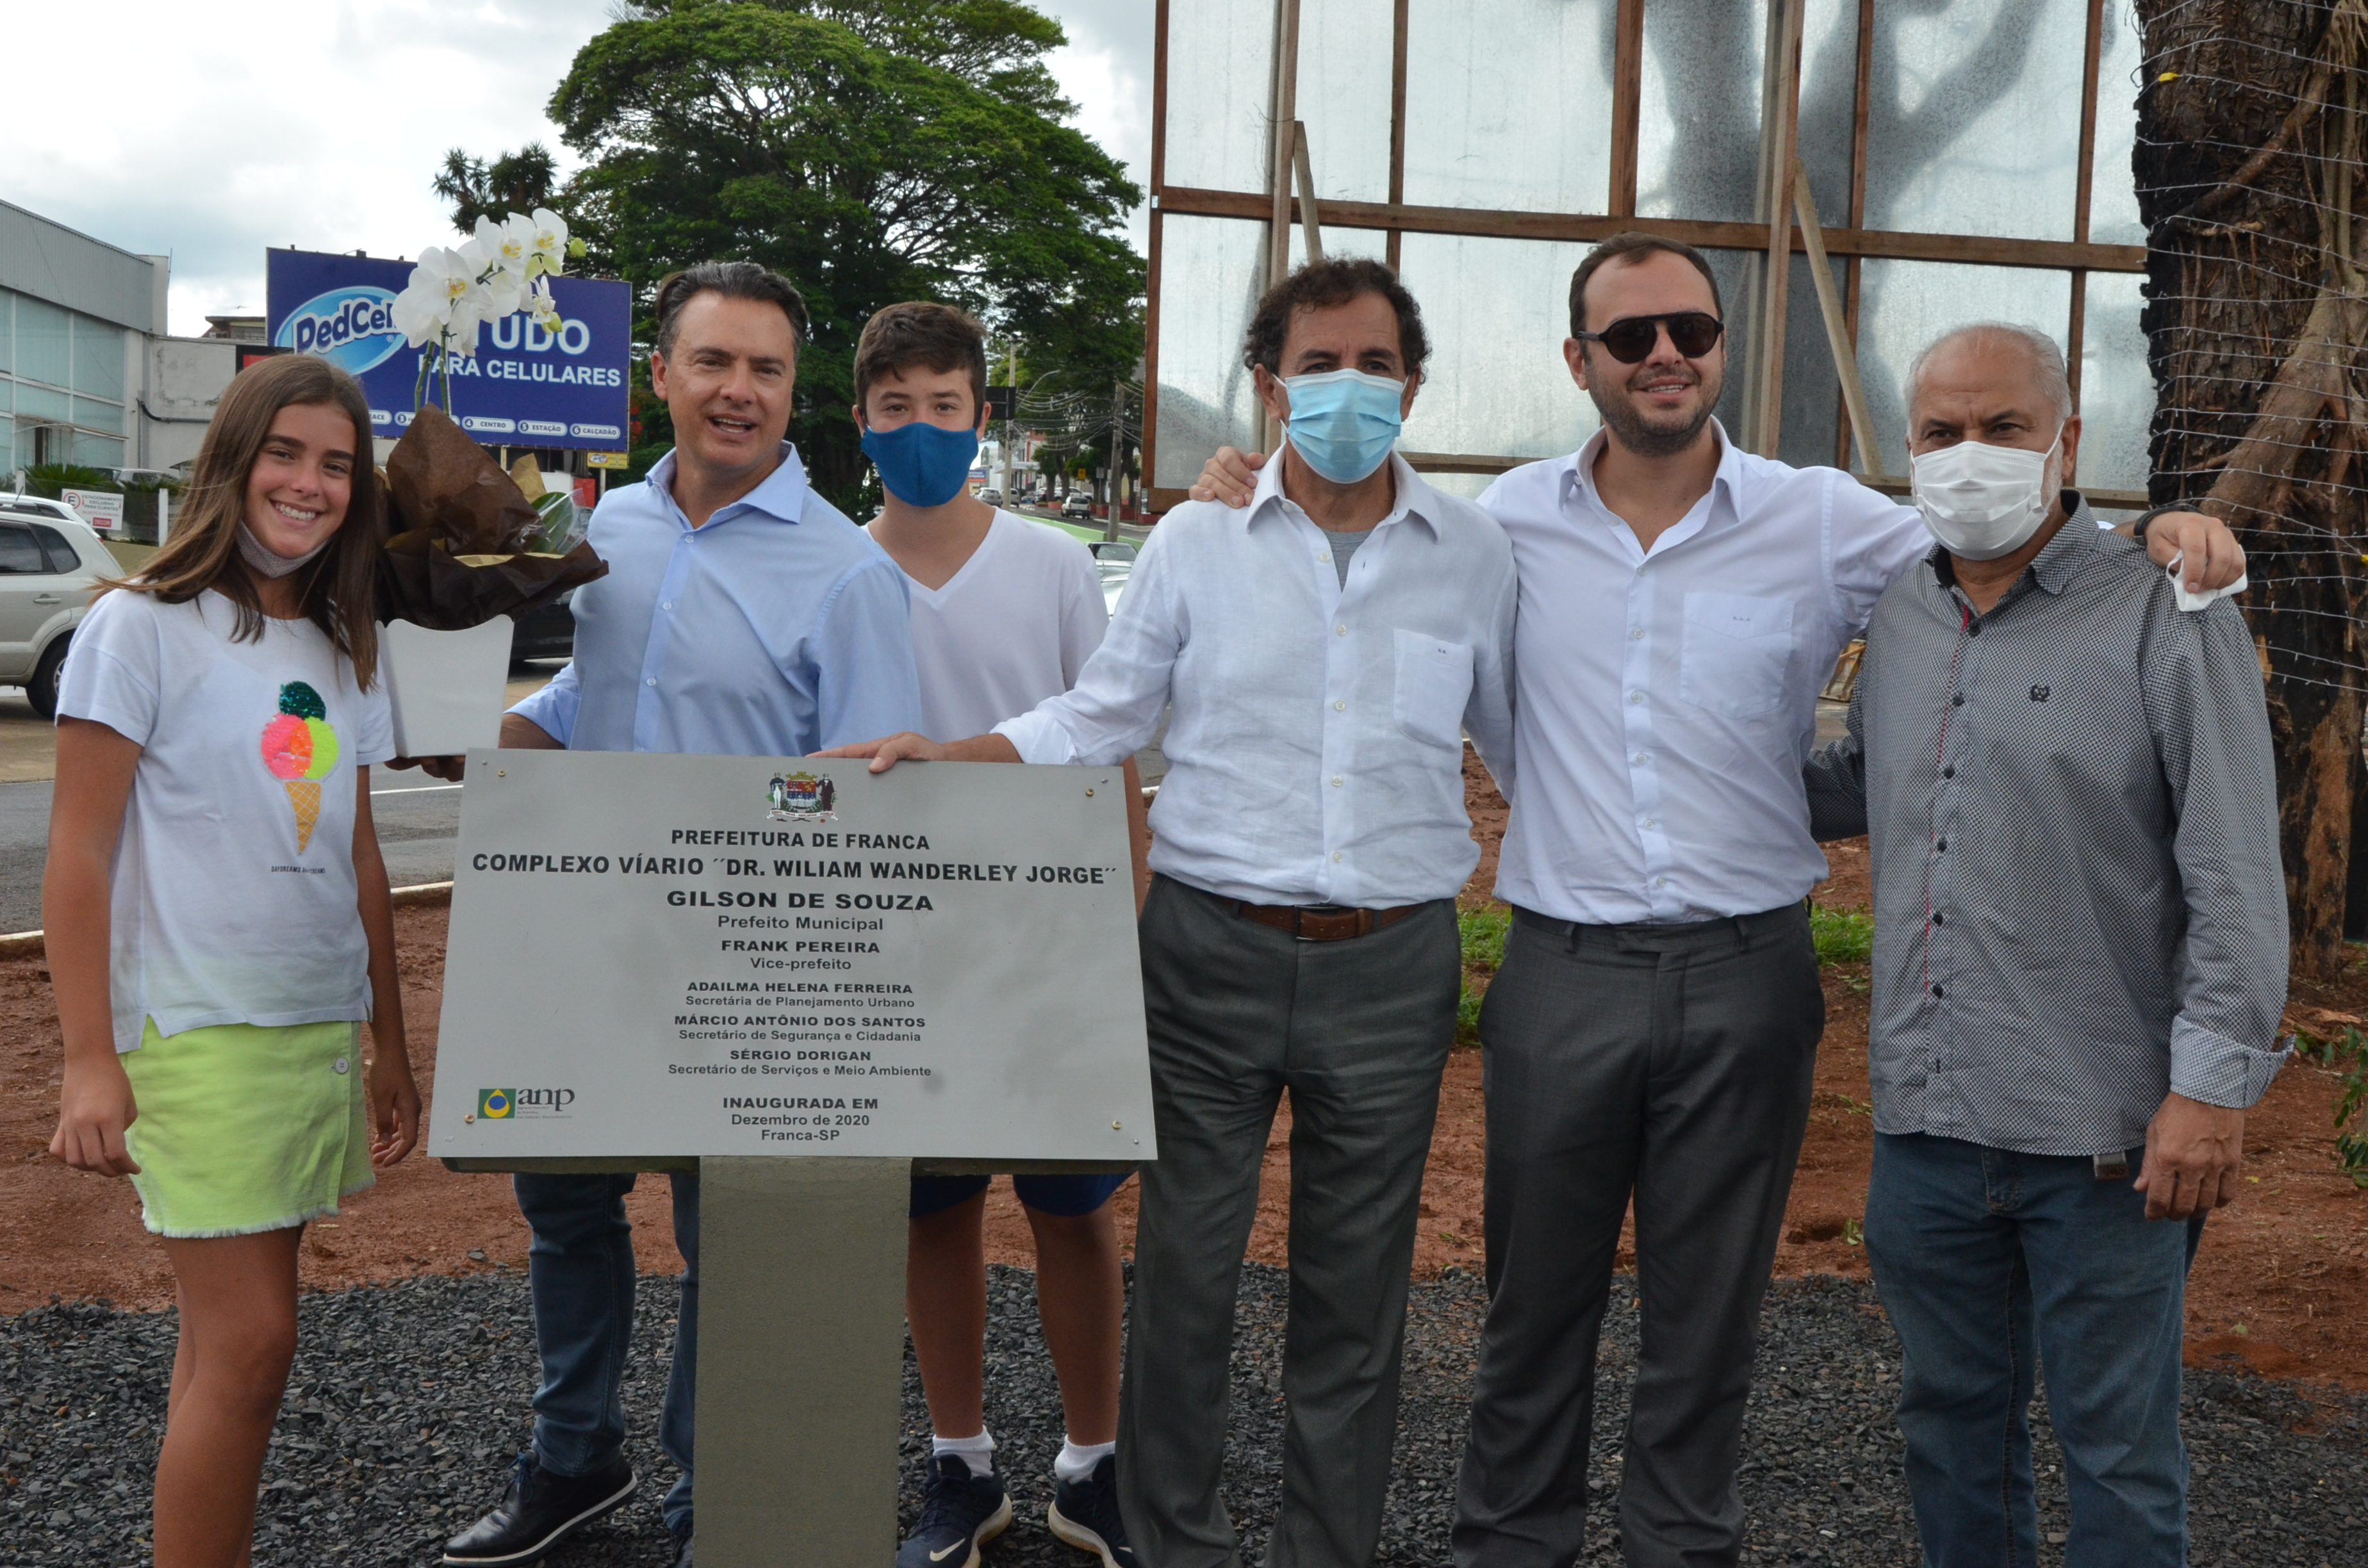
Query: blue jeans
[(581, 1270), (1990, 1262)]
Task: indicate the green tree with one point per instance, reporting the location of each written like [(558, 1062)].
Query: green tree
[(515, 182), (870, 150)]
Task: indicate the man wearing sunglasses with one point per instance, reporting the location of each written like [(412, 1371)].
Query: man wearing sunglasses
[(1651, 1035)]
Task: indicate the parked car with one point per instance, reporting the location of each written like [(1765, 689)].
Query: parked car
[(50, 561), (38, 506), (548, 633), (1077, 504), (991, 495), (1114, 561)]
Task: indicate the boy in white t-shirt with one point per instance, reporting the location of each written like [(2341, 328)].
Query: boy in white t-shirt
[(1005, 614)]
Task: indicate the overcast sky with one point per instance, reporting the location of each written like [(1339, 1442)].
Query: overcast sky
[(211, 134)]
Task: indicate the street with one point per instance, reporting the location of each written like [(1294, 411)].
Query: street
[(419, 817), (1089, 528)]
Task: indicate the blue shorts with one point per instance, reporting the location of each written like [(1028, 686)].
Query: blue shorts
[(1066, 1196)]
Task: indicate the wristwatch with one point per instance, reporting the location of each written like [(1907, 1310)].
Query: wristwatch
[(2138, 527)]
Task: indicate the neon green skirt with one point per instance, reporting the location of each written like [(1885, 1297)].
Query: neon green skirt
[(243, 1129)]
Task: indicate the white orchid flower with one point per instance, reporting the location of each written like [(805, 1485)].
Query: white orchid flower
[(421, 315), (450, 301), (479, 255), (446, 275), (541, 306), (425, 310), (504, 290), (464, 338), (547, 242), (505, 242)]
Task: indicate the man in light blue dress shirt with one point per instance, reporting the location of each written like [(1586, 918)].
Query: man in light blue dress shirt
[(742, 615)]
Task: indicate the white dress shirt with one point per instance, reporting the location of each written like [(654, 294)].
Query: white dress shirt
[(1315, 746), (1667, 699)]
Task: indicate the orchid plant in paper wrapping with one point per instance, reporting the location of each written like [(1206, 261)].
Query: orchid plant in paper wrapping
[(466, 547)]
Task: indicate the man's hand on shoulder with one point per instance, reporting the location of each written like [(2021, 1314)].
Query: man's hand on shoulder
[(1231, 477), (888, 751), (2212, 558), (2194, 1153)]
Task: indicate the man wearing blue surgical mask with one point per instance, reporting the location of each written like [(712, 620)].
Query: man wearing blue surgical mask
[(1325, 652)]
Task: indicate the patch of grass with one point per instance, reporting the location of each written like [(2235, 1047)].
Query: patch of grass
[(2349, 1058), (1482, 932), (1843, 936)]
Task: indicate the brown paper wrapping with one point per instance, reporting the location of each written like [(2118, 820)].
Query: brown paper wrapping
[(462, 536)]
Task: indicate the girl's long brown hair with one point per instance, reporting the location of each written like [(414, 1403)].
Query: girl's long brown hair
[(339, 586)]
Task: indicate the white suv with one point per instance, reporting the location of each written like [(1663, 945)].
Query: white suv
[(50, 561)]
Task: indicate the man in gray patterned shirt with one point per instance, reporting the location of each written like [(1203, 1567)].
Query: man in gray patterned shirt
[(2080, 966)]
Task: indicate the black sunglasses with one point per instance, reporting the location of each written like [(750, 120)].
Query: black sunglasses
[(1630, 338)]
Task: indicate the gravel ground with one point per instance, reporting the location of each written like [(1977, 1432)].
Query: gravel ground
[(408, 1401)]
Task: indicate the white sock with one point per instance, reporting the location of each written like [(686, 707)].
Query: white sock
[(977, 1452), (1078, 1460)]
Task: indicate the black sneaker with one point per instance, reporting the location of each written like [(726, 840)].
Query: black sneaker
[(960, 1513), (542, 1510), (1085, 1514)]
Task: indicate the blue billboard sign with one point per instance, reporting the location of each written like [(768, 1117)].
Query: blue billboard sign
[(524, 387)]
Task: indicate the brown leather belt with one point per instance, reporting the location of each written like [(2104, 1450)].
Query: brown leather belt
[(1322, 921)]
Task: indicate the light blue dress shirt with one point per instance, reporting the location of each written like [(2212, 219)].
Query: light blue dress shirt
[(775, 629)]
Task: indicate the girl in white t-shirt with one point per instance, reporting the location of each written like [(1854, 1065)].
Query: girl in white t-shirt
[(218, 920)]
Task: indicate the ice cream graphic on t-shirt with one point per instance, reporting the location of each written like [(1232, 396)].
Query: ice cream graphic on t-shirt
[(301, 749)]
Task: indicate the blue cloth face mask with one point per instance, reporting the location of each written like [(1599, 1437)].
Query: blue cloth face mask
[(1344, 422), (922, 464)]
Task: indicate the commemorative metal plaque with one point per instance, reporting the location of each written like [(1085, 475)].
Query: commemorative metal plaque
[(665, 955)]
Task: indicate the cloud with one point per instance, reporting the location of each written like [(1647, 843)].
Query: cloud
[(1106, 70), (306, 123), (319, 123)]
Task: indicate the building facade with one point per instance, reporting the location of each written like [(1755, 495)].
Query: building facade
[(88, 373)]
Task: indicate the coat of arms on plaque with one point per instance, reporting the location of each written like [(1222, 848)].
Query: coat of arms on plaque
[(800, 797)]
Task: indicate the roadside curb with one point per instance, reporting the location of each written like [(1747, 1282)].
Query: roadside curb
[(24, 944)]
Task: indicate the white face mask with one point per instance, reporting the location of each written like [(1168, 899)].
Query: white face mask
[(1980, 501)]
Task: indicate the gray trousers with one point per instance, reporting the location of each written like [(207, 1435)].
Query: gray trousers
[(1670, 1064), (1358, 1032)]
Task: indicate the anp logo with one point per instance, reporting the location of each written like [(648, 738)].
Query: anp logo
[(495, 1105)]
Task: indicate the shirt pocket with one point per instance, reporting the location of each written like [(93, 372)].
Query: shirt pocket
[(1739, 653), (1433, 685)]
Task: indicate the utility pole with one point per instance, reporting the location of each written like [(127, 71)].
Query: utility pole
[(1109, 488), (1011, 427)]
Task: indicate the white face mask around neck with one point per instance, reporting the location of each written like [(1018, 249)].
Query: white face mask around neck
[(251, 550)]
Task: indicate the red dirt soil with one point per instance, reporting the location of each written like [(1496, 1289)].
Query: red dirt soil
[(2280, 1284)]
